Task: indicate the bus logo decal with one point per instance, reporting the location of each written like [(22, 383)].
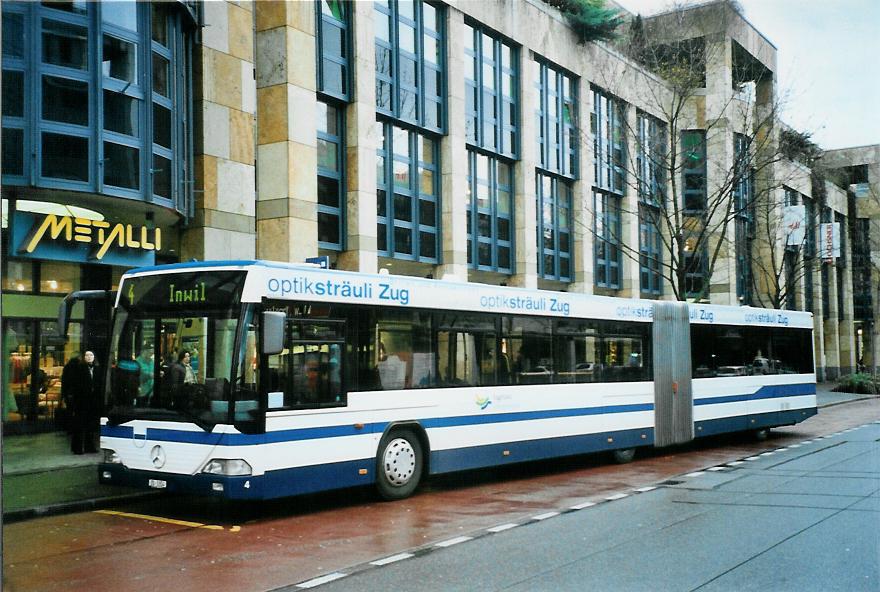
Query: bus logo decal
[(483, 401)]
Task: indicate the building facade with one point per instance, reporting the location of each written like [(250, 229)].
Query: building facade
[(472, 141)]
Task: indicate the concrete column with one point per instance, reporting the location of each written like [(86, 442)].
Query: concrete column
[(287, 182), (454, 197), (629, 212), (362, 141), (831, 333), (525, 205), (846, 327), (224, 107), (582, 208)]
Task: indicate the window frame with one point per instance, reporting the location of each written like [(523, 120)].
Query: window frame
[(494, 188), (607, 209), (559, 255), (338, 140)]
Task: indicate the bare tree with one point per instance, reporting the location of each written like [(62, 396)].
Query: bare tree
[(782, 253), (699, 216)]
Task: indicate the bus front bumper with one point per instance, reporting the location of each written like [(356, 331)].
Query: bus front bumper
[(237, 487)]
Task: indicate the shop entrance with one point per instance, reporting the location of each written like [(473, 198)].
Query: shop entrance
[(34, 358)]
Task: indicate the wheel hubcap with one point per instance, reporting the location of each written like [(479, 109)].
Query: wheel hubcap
[(399, 461)]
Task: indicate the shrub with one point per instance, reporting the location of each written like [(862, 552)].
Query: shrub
[(863, 384)]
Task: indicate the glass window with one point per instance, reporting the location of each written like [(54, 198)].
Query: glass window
[(121, 113), (103, 112), (466, 350), (490, 187), (65, 157), (65, 45), (490, 89), (331, 191), (121, 13), (332, 47), (13, 35), (651, 159), (121, 166), (412, 92), (13, 93), (13, 151), (607, 245), (650, 250), (119, 59), (65, 100), (609, 145), (58, 278), (18, 275), (576, 351), (556, 120), (528, 342), (407, 221), (554, 203)]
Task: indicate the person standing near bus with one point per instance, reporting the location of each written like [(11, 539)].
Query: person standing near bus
[(81, 394)]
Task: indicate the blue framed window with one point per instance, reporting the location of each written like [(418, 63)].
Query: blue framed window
[(331, 177), (333, 40), (650, 164), (693, 156), (651, 158), (557, 119), (650, 251), (743, 194), (490, 215), (491, 72), (410, 64), (606, 246), (554, 197), (408, 196), (99, 94), (609, 142)]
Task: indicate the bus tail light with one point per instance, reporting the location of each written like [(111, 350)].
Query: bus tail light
[(227, 466)]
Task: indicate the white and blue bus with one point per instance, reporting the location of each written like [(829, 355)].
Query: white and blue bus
[(303, 379)]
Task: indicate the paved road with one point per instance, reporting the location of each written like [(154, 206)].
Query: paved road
[(802, 517), (187, 544)]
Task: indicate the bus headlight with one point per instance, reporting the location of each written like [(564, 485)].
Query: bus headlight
[(227, 466), (110, 456)]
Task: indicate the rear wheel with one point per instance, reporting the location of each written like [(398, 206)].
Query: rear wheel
[(398, 465), (624, 455), (761, 435)]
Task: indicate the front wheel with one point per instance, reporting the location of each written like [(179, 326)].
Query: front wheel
[(398, 465)]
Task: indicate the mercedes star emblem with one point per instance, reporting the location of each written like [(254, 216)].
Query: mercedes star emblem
[(158, 457)]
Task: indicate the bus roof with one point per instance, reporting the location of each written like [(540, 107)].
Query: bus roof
[(309, 282)]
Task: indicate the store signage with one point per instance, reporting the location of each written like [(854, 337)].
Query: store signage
[(830, 240), (794, 225), (68, 238)]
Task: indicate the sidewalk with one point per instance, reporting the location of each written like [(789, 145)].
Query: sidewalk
[(42, 477)]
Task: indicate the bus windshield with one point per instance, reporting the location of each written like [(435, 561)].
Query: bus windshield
[(173, 360)]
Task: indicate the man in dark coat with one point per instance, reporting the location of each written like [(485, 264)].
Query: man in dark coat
[(81, 393)]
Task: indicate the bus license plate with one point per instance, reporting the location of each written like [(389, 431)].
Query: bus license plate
[(157, 483)]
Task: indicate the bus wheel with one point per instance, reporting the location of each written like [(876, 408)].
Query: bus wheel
[(398, 465), (761, 435), (624, 455)]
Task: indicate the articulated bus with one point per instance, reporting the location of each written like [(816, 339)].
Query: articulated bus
[(301, 379)]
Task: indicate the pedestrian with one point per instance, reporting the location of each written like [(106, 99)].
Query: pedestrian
[(82, 396)]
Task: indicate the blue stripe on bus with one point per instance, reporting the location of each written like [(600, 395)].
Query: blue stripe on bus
[(765, 392), (293, 435)]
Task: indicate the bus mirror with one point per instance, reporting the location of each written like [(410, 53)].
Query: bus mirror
[(273, 332), (66, 306)]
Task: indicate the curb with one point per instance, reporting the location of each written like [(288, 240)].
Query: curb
[(72, 506)]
